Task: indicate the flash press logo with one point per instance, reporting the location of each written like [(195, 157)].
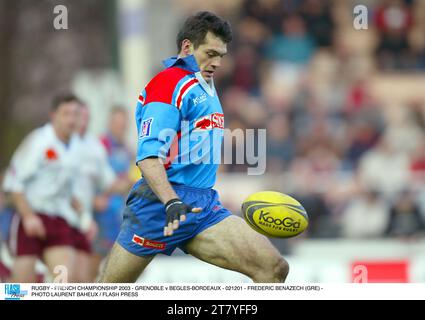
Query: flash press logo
[(14, 292)]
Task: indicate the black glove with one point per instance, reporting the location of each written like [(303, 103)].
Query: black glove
[(176, 208)]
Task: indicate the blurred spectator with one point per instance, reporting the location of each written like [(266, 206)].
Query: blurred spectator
[(384, 169), (405, 221), (280, 145), (393, 16), (108, 215), (417, 160), (267, 12), (402, 133), (317, 146), (303, 104), (394, 21), (245, 74), (417, 108), (293, 45), (319, 22), (365, 217), (320, 224), (253, 113), (363, 136), (251, 32), (358, 97)]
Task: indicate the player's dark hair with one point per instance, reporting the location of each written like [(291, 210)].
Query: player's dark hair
[(196, 27), (64, 98)]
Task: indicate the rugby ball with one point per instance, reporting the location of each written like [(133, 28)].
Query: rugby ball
[(275, 214)]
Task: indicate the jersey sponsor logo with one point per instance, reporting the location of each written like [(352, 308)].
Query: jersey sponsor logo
[(199, 99), (148, 243), (51, 154), (146, 128), (209, 122)]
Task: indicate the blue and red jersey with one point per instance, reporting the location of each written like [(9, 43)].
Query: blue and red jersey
[(180, 119)]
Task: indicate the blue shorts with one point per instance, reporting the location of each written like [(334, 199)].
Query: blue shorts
[(5, 221), (142, 231)]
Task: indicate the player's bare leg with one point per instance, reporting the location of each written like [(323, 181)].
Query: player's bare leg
[(96, 261), (23, 270), (61, 256), (122, 266), (232, 244)]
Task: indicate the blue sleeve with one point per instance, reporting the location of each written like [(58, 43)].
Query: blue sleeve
[(157, 125)]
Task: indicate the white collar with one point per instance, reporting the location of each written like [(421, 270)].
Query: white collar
[(209, 88), (51, 133)]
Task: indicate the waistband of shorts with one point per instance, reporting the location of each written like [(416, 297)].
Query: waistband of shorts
[(182, 187), (191, 189)]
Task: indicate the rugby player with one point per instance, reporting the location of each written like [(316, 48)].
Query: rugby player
[(174, 205), (40, 180)]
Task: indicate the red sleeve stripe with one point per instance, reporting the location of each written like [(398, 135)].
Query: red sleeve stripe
[(162, 86), (141, 99), (184, 90), (180, 89)]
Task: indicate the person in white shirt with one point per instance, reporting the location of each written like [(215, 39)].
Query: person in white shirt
[(40, 181), (366, 216)]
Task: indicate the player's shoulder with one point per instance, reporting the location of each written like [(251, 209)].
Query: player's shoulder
[(166, 84), (33, 141), (172, 74), (40, 135)]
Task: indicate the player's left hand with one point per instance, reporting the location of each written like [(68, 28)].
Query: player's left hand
[(176, 211)]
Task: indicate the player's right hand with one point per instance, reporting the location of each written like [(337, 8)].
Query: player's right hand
[(33, 226), (176, 211)]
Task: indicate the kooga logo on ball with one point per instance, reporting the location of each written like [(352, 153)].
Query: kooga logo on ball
[(286, 222)]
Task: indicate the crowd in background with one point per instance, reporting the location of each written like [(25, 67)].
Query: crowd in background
[(357, 162)]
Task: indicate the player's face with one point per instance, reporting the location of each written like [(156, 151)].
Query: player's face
[(209, 54), (65, 118)]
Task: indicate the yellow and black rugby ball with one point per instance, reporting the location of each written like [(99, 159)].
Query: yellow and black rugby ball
[(275, 214)]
